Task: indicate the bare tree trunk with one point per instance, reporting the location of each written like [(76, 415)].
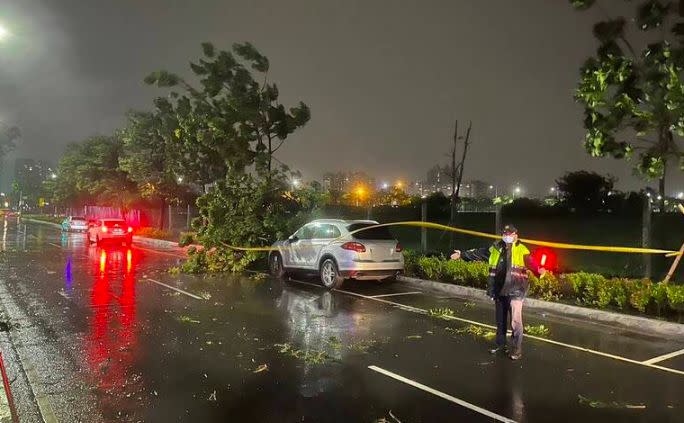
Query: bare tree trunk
[(661, 192), (453, 203), (162, 212), (461, 165)]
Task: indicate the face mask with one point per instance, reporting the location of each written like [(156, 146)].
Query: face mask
[(508, 239)]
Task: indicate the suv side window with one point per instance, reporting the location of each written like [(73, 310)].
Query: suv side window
[(305, 232), (326, 231)]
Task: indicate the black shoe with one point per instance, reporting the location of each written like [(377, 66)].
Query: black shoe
[(499, 350)]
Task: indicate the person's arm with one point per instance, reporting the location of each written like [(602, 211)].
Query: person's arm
[(476, 254)]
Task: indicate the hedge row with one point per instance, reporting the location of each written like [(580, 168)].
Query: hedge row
[(587, 289)]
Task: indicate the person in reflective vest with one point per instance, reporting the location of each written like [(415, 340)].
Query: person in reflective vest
[(508, 284)]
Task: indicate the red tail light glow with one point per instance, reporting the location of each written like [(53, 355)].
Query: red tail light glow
[(398, 248), (354, 246), (130, 229), (103, 261), (103, 228), (546, 258)]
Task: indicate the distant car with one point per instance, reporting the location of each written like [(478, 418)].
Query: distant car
[(75, 224), (114, 230), (330, 248)]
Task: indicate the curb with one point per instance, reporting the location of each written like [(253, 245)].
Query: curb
[(626, 321), (153, 242)]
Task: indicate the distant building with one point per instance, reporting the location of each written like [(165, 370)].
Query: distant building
[(30, 175), (346, 181), (477, 189)]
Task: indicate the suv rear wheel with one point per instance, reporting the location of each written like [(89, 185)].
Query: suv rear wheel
[(330, 275)]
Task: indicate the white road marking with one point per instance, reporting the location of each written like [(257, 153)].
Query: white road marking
[(395, 294), (440, 394), (175, 289), (537, 338), (664, 357), (55, 245)]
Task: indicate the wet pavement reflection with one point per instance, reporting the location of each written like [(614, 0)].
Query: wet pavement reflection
[(255, 349)]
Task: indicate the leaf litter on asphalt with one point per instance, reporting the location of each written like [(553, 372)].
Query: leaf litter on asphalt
[(187, 319), (474, 330), (593, 403), (537, 330), (441, 313), (261, 368)]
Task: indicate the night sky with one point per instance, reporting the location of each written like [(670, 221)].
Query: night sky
[(384, 79)]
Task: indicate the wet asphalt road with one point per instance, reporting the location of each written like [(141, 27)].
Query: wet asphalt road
[(98, 334)]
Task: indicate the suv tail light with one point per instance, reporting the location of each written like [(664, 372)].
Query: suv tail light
[(130, 229), (103, 228), (354, 246), (398, 248)]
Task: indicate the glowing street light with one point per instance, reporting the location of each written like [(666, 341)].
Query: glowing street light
[(295, 183), (4, 33), (53, 175), (680, 195), (360, 192), (385, 185)]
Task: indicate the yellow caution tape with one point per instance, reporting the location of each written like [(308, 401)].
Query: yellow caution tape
[(560, 245)]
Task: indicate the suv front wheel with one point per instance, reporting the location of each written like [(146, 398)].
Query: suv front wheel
[(330, 275), (276, 267)]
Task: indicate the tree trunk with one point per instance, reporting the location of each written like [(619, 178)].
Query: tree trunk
[(461, 165), (661, 193), (453, 204), (162, 213)]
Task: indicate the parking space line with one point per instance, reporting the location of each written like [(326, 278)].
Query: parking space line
[(440, 394), (396, 293), (537, 338), (174, 288), (664, 357)]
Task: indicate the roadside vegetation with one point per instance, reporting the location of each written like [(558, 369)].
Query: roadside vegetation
[(637, 296)]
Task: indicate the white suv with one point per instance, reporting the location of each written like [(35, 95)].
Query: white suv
[(328, 247)]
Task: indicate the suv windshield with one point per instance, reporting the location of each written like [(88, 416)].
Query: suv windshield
[(374, 233)]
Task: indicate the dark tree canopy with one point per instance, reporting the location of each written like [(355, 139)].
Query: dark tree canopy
[(585, 191), (233, 120)]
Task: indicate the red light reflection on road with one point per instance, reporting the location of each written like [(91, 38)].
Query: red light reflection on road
[(112, 341)]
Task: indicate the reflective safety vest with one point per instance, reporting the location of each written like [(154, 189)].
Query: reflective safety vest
[(518, 284)]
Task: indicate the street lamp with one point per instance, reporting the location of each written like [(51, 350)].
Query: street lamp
[(517, 191), (385, 185), (4, 33), (680, 195), (359, 194), (295, 183), (53, 175)]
